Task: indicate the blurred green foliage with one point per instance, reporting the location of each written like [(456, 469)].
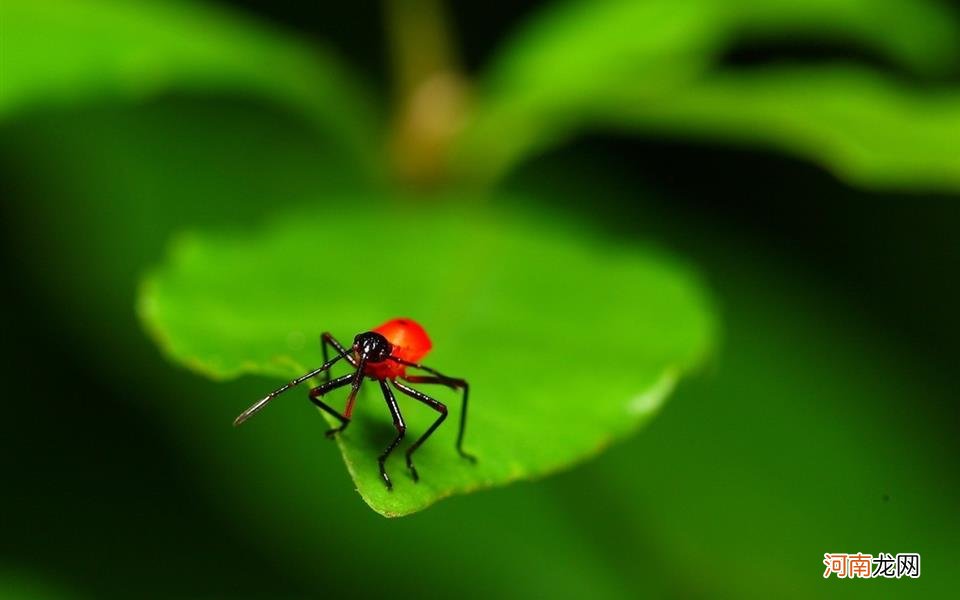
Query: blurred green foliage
[(827, 422), (867, 130), (652, 67), (63, 53)]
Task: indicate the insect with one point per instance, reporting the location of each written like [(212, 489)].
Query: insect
[(383, 354)]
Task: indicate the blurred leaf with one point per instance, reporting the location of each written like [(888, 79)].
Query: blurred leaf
[(560, 72), (62, 53), (555, 331), (600, 44), (921, 35), (866, 129), (564, 62)]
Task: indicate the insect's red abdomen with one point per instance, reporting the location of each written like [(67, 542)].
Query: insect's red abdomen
[(410, 342)]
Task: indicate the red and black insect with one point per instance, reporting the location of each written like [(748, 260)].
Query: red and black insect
[(383, 354)]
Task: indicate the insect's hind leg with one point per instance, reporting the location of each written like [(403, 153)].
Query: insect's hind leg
[(435, 405), (327, 340), (454, 384), (329, 386), (401, 430)]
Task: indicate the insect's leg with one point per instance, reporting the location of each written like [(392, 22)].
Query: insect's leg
[(435, 405), (357, 380), (398, 423), (319, 391), (328, 340), (454, 384)]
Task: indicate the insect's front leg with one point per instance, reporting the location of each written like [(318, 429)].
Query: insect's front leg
[(319, 391)]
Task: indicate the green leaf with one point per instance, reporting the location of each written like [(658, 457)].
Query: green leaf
[(568, 343), (920, 35), (56, 53), (862, 126), (559, 74)]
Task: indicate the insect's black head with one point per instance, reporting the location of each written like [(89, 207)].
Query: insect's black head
[(372, 346)]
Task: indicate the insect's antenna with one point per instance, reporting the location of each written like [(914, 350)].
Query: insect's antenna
[(259, 404)]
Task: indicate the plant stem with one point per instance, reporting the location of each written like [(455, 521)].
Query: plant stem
[(430, 93)]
